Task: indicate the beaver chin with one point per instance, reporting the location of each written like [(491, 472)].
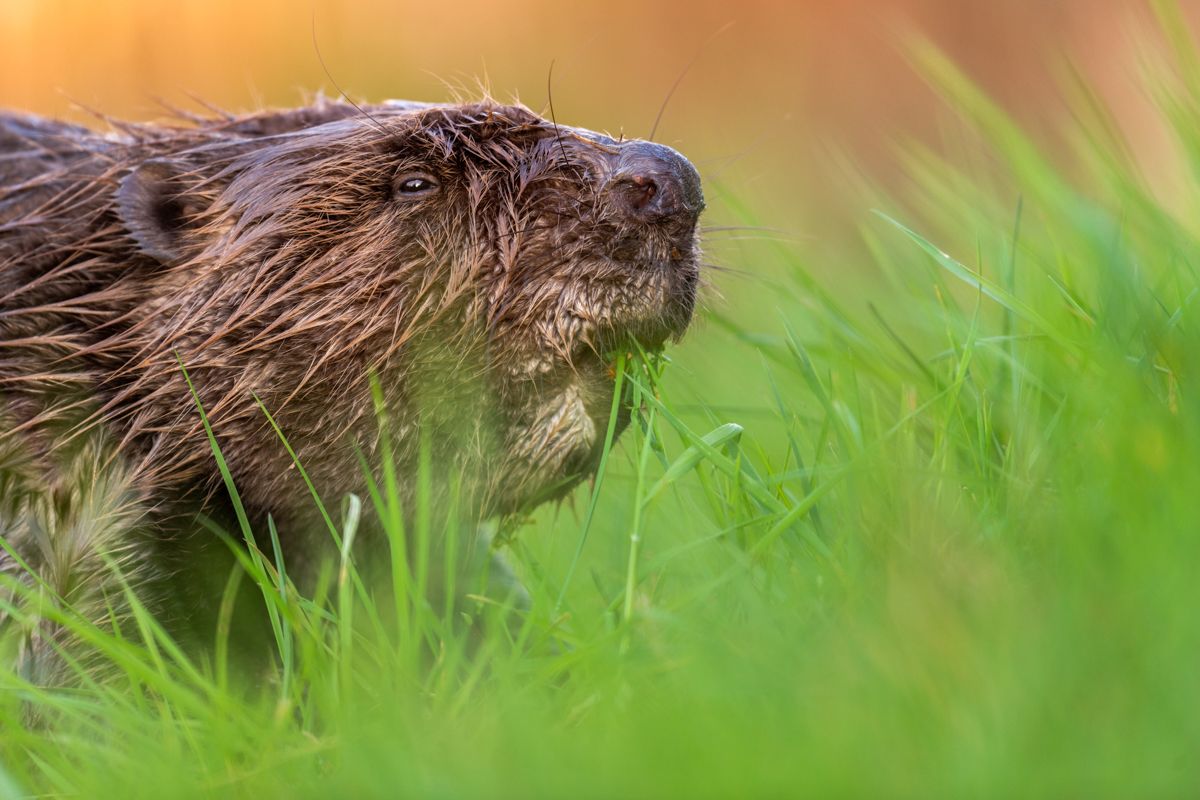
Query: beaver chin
[(654, 307), (557, 438), (598, 351)]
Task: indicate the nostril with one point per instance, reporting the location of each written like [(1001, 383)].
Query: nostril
[(651, 183), (642, 190)]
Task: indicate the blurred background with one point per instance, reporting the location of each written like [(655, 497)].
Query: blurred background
[(776, 94)]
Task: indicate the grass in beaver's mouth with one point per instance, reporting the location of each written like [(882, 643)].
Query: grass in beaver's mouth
[(931, 530)]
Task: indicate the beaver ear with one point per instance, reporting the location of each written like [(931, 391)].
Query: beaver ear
[(151, 203)]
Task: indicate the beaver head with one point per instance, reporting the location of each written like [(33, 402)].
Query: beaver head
[(480, 261)]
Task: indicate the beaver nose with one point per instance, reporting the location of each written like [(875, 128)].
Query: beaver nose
[(653, 183)]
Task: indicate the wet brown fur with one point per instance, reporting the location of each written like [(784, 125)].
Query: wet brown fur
[(281, 263)]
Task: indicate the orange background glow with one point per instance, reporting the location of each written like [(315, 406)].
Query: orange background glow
[(772, 86)]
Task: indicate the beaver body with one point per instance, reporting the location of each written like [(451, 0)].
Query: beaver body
[(459, 272)]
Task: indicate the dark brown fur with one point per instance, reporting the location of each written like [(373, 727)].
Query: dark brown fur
[(277, 256)]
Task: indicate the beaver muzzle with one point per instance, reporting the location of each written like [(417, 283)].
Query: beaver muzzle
[(652, 183)]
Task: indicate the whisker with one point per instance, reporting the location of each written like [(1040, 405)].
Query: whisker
[(760, 238), (730, 160), (684, 72), (553, 118), (744, 274), (317, 48), (745, 228)]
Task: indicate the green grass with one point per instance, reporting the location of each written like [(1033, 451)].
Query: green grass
[(926, 522)]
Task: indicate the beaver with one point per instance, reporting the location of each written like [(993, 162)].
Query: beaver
[(460, 271)]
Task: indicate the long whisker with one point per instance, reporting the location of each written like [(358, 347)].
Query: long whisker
[(679, 80), (317, 48), (731, 160), (554, 119), (744, 274), (743, 228)]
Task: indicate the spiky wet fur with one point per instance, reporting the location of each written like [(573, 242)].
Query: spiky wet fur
[(294, 270)]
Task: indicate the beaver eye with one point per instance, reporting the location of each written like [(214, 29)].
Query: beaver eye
[(414, 185)]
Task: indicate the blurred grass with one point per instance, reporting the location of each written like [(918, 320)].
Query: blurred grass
[(930, 535)]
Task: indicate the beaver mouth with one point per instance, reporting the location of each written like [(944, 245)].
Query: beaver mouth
[(640, 324), (603, 343)]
